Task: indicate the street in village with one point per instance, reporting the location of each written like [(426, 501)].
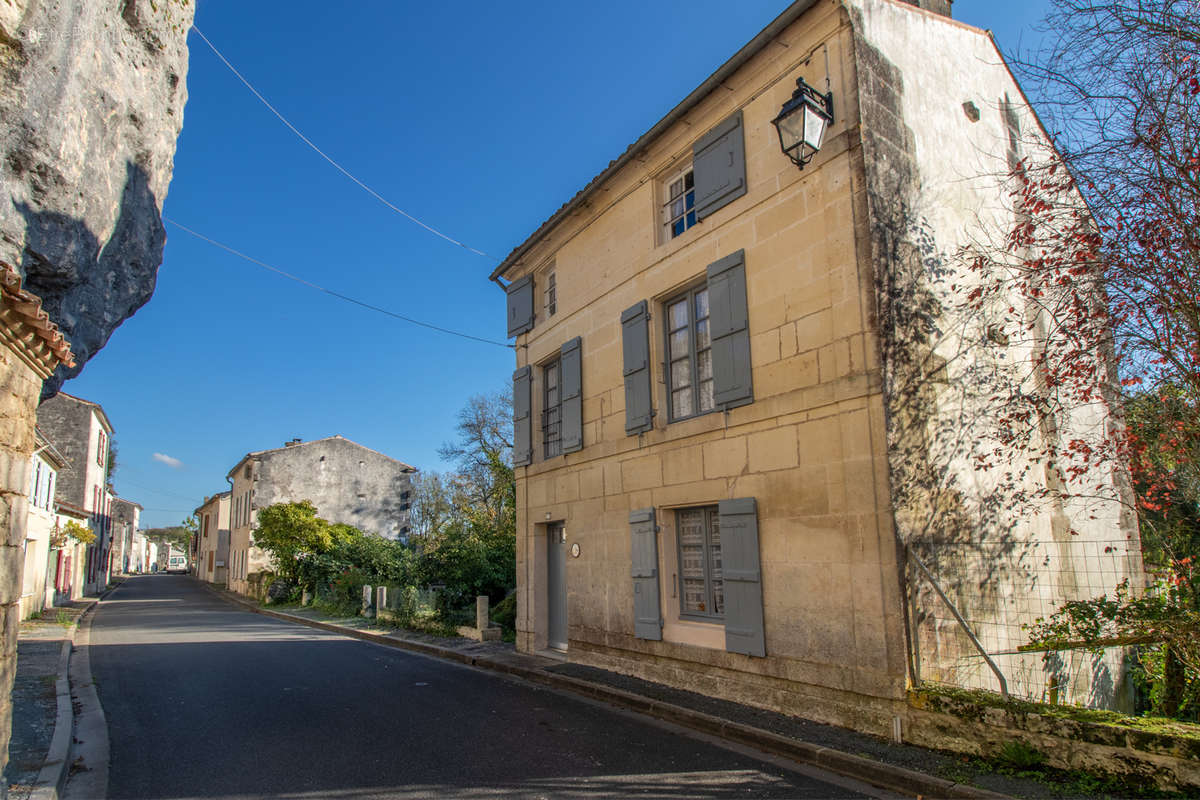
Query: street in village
[(205, 699), (837, 439)]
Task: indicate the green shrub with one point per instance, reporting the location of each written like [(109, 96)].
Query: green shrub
[(504, 613), (407, 604), (1020, 756)]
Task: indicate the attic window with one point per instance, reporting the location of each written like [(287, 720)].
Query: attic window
[(551, 295), (679, 210), (247, 472)]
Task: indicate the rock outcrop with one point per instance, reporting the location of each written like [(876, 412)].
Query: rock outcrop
[(91, 98)]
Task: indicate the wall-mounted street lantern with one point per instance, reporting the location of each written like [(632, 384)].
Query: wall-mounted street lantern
[(802, 122)]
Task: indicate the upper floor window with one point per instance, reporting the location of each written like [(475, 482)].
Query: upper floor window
[(689, 355), (552, 408), (551, 295), (679, 210), (101, 442), (37, 482)]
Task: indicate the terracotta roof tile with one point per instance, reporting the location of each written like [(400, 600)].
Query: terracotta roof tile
[(28, 328)]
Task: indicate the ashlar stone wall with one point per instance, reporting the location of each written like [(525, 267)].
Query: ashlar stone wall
[(810, 448)]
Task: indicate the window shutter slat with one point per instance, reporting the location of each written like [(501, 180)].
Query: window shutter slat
[(522, 417), (520, 306), (635, 342), (742, 577), (571, 387), (729, 323), (647, 615), (719, 166)]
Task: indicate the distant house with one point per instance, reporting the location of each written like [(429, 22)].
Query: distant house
[(81, 431), (126, 517), (37, 589), (212, 538), (66, 571), (348, 483)]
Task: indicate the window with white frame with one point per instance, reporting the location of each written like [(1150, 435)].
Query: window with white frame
[(701, 586), (679, 203), (689, 354)]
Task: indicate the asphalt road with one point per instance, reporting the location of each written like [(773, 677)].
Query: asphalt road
[(207, 700)]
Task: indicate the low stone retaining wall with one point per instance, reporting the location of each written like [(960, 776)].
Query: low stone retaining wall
[(1159, 752)]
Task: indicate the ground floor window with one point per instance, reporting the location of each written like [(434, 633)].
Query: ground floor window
[(701, 590)]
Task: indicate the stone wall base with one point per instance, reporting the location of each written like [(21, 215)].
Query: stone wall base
[(874, 715), (1153, 753)]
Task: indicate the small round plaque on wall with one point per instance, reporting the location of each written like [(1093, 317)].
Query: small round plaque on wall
[(575, 550)]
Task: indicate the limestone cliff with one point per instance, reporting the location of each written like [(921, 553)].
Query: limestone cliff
[(91, 98)]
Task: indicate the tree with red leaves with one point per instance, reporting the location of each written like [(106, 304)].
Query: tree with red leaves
[(1118, 85)]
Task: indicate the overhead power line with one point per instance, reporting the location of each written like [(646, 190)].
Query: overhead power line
[(331, 292), (330, 159)]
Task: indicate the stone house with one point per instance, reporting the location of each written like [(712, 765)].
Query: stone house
[(348, 483), (212, 538), (709, 487), (81, 431), (37, 589), (126, 518), (67, 570)]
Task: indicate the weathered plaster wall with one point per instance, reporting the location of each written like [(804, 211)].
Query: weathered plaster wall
[(92, 95), (68, 423), (347, 482), (937, 183)]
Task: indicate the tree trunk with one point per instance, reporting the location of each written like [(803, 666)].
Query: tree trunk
[(1174, 682)]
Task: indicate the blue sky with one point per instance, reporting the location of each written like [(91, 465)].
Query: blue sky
[(478, 118)]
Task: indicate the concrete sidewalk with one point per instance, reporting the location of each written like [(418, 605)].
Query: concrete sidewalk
[(901, 768), (41, 726)]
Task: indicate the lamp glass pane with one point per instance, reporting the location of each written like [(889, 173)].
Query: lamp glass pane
[(791, 130), (814, 127)]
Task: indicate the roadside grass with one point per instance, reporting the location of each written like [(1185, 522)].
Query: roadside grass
[(1115, 719), (1060, 783)]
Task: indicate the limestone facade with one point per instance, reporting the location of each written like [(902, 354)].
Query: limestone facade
[(811, 447), (32, 349), (212, 538)]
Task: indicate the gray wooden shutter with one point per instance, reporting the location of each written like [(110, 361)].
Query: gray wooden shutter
[(520, 305), (570, 386), (635, 341), (522, 416), (729, 325), (719, 166), (742, 577), (647, 616)]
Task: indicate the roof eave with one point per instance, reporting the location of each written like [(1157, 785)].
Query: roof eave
[(764, 37)]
